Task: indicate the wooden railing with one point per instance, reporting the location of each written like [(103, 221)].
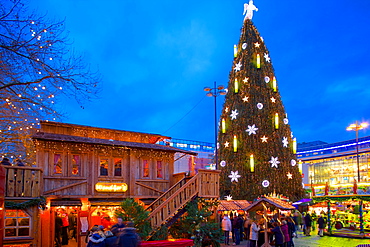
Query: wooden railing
[(23, 181), (204, 184)]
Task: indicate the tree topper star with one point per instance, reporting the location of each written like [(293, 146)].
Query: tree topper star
[(274, 162), (237, 67), (234, 176), (251, 129), (233, 114), (285, 142)]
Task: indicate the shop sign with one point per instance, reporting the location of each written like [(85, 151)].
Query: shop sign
[(111, 187)]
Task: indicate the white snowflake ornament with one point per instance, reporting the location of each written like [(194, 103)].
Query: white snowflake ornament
[(237, 67), (233, 114), (274, 162), (251, 129), (285, 142), (266, 56), (234, 176)]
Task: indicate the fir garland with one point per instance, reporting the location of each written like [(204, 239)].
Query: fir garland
[(26, 204)]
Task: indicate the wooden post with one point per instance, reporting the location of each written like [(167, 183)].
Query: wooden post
[(266, 244)]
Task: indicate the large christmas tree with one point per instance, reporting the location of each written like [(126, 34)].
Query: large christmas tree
[(256, 146)]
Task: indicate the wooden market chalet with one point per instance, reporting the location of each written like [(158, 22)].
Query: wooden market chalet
[(89, 171)]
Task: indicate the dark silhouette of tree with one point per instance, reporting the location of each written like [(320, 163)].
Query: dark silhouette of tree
[(37, 66)]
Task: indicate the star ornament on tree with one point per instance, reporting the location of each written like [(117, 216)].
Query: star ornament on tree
[(251, 129), (233, 114), (274, 162), (273, 100), (289, 175), (234, 176), (285, 142), (226, 144), (245, 99), (264, 139), (246, 79), (256, 44), (237, 67)]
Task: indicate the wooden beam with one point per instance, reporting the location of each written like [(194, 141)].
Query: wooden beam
[(149, 187), (64, 187)]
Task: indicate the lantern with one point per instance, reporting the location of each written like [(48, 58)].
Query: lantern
[(235, 144), (276, 121), (251, 159), (236, 86), (258, 61)]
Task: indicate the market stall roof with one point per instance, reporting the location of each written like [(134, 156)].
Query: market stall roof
[(232, 205), (269, 202)]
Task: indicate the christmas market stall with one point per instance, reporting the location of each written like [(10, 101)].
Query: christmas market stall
[(346, 207), (232, 207), (268, 207)]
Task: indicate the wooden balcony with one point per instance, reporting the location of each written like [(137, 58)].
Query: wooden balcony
[(22, 182)]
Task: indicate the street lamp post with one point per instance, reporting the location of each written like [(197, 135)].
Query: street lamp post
[(356, 127), (214, 92)]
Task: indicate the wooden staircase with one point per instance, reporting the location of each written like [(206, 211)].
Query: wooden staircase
[(204, 184)]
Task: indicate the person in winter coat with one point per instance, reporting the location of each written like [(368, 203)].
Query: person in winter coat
[(237, 224), (95, 240), (308, 223), (110, 239), (253, 235), (292, 231), (279, 236), (321, 223), (285, 229), (129, 237), (118, 228), (226, 227)]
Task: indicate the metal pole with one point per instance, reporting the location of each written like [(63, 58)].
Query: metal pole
[(216, 152), (358, 161)]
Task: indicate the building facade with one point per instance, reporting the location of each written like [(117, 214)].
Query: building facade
[(336, 163)]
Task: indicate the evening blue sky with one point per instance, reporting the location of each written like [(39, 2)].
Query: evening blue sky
[(155, 58)]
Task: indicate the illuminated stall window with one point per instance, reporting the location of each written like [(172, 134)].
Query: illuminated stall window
[(159, 169), (58, 164), (117, 167), (76, 165), (17, 223), (145, 169), (103, 167)]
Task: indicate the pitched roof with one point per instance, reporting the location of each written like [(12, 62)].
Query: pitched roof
[(87, 140), (269, 202), (232, 205)]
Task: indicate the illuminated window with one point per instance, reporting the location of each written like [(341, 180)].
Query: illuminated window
[(117, 167), (17, 223), (103, 167), (58, 164), (145, 169), (159, 169), (76, 165)]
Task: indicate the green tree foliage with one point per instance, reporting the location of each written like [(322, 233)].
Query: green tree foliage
[(252, 110), (133, 211), (197, 223)]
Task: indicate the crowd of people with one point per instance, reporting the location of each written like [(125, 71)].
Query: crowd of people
[(119, 235), (281, 229)]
